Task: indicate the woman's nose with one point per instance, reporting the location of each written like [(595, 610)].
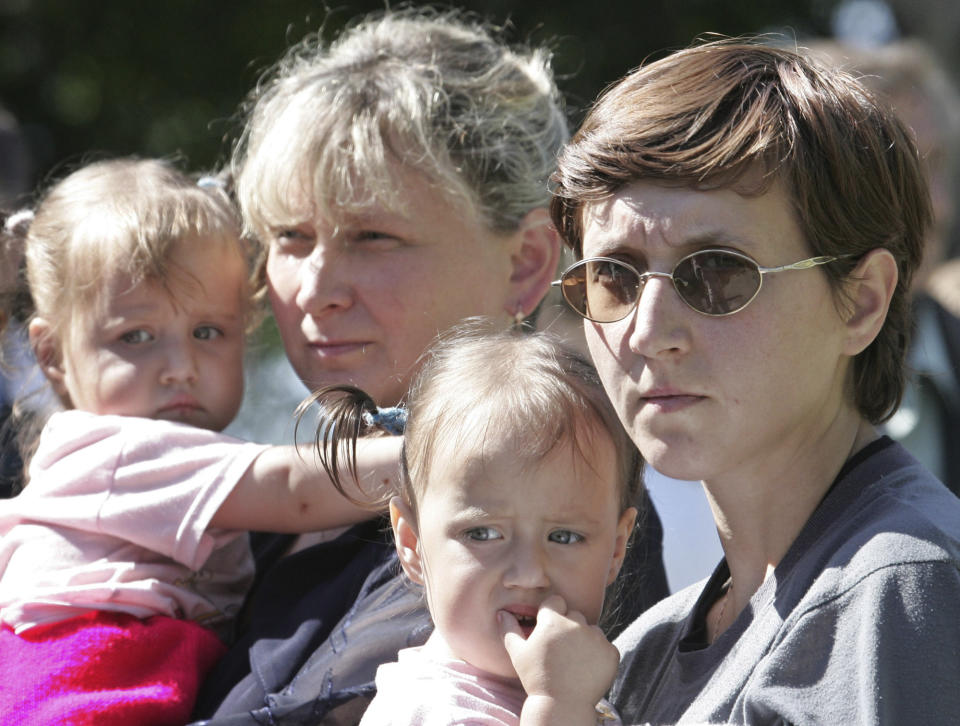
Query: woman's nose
[(323, 282), (657, 324)]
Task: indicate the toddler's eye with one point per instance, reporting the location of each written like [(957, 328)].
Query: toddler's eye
[(135, 337), (565, 536), (206, 332), (482, 534)]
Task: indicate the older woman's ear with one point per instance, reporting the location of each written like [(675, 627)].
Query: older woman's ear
[(534, 261), (869, 290)]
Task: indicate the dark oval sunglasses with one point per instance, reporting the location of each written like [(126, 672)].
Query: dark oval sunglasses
[(713, 282)]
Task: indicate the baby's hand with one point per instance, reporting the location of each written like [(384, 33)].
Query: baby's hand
[(565, 666)]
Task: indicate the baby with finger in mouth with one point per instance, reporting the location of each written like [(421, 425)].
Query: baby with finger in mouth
[(517, 504)]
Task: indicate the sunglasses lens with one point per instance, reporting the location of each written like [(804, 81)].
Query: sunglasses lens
[(716, 283), (601, 290)]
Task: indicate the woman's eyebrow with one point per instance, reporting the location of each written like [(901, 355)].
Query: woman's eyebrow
[(605, 245), (719, 237)]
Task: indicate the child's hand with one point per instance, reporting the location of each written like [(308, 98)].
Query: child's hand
[(565, 666)]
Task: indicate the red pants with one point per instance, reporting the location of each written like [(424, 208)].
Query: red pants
[(104, 669)]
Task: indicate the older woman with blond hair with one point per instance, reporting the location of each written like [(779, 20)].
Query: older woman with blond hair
[(397, 180)]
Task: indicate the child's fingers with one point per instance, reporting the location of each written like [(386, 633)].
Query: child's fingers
[(563, 657), (510, 631), (554, 603), (508, 622)]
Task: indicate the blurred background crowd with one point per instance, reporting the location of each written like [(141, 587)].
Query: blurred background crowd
[(118, 77)]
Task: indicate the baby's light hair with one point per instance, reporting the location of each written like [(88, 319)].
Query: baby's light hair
[(112, 220), (431, 91), (481, 384), (117, 217)]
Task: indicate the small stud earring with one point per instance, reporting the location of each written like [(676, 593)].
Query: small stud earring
[(518, 318)]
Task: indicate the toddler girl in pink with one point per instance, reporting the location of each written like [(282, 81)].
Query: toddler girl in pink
[(123, 559), (517, 502)]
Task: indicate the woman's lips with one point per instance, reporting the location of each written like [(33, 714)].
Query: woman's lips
[(336, 348), (668, 401)]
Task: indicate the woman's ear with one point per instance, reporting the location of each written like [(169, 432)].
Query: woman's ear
[(46, 349), (534, 262), (406, 539), (869, 290), (624, 530)]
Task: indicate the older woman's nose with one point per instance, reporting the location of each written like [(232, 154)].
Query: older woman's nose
[(324, 282)]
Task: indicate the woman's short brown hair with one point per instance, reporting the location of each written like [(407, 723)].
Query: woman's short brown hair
[(704, 116)]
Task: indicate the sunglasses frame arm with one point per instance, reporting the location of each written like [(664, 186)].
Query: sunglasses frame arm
[(802, 264)]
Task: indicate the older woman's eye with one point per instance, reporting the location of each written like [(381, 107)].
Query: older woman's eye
[(374, 239), (294, 237)]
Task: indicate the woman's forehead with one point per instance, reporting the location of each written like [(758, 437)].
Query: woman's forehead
[(648, 214), (396, 190)]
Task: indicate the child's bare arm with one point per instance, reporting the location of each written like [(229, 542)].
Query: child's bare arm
[(287, 491), (566, 666)]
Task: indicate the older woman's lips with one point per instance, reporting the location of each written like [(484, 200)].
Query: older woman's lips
[(668, 401), (332, 349)]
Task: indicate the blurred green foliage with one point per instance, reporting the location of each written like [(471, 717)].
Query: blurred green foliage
[(91, 78)]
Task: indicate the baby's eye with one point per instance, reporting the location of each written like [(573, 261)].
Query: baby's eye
[(206, 332), (565, 536), (136, 337), (482, 534)]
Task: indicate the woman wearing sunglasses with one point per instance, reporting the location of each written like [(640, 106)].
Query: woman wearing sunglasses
[(397, 179), (748, 224)]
